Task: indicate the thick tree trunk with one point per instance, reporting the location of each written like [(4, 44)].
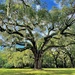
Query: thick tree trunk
[(38, 62)]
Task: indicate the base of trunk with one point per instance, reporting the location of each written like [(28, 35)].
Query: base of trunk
[(38, 64)]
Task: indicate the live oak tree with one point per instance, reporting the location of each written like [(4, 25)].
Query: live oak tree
[(37, 31), (48, 60), (69, 51), (55, 54)]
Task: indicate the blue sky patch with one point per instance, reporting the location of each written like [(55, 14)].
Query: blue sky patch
[(50, 3)]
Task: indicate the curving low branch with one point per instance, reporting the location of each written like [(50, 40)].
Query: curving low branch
[(58, 46)]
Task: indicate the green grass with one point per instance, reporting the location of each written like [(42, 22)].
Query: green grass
[(48, 71)]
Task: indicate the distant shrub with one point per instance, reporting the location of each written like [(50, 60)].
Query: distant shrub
[(8, 65)]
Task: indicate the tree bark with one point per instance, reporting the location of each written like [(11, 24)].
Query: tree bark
[(38, 61)]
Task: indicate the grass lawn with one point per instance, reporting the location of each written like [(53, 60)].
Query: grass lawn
[(48, 71)]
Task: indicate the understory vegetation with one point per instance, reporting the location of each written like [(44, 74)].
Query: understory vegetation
[(25, 59)]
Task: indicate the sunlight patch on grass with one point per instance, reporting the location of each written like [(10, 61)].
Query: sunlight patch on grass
[(45, 71)]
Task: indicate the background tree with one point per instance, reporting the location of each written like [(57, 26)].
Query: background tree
[(70, 52), (3, 59), (55, 53), (48, 60)]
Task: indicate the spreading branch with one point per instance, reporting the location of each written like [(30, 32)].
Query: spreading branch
[(25, 3), (58, 46)]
